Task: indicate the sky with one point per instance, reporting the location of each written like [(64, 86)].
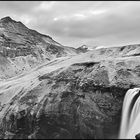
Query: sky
[(74, 23)]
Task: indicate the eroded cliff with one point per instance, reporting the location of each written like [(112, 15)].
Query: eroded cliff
[(70, 97)]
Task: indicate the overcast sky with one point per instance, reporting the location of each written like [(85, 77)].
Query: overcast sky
[(104, 23)]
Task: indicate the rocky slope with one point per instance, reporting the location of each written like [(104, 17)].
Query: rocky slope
[(70, 97), (23, 48)]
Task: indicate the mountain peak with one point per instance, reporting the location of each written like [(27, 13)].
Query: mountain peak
[(6, 19)]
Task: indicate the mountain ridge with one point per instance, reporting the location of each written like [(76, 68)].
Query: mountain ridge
[(25, 48)]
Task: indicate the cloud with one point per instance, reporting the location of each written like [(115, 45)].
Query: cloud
[(45, 6), (76, 22)]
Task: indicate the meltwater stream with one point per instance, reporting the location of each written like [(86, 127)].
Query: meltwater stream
[(130, 123)]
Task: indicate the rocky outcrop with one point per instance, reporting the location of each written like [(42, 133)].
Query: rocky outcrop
[(82, 49), (137, 136), (80, 100)]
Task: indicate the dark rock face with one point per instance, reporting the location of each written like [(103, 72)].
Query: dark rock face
[(137, 136)]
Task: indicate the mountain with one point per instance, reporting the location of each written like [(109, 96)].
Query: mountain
[(23, 48), (64, 92)]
